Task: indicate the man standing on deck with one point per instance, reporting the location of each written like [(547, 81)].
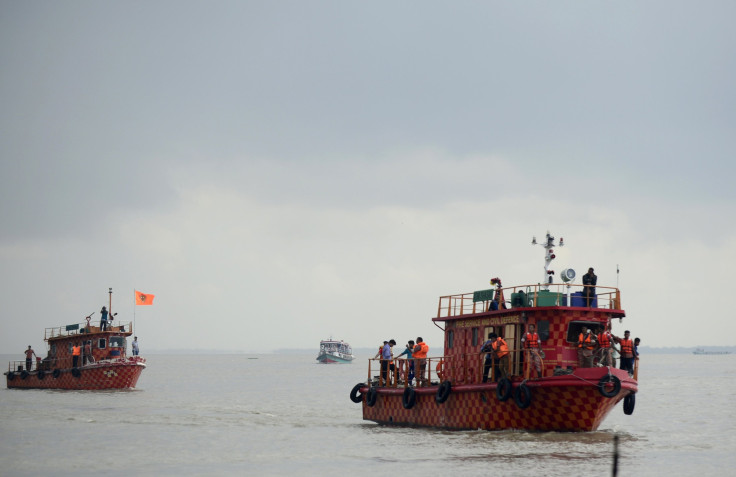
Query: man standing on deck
[(605, 341), (590, 280), (501, 350), (533, 350), (586, 344), (103, 319), (134, 346), (420, 360), (29, 361), (487, 350), (627, 353), (76, 352), (386, 357)]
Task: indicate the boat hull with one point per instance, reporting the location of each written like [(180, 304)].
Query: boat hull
[(558, 403), (325, 358), (114, 374)]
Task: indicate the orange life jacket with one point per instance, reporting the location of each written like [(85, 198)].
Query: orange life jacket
[(76, 350), (422, 353), (500, 347), (604, 339), (627, 348), (585, 341), (532, 340)]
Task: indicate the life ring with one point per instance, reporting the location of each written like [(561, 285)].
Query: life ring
[(11, 376), (443, 392), (23, 374), (605, 382), (41, 374), (56, 373), (355, 395), (438, 369), (409, 398), (503, 389), (523, 396), (76, 372), (629, 403), (372, 397)]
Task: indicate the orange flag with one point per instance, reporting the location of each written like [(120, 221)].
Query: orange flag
[(143, 299)]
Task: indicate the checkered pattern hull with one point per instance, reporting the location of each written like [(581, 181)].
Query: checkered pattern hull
[(564, 405), (121, 374)]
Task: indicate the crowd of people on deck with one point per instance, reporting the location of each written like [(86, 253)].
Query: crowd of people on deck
[(593, 350), (414, 366), (597, 349)]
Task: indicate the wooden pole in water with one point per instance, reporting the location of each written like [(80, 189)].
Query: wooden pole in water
[(615, 456)]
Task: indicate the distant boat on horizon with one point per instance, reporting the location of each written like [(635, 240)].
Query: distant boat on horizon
[(702, 351), (333, 351)]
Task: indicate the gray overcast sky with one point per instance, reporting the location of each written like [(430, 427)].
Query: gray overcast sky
[(279, 172)]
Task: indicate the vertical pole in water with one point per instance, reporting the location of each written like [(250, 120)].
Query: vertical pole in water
[(615, 456)]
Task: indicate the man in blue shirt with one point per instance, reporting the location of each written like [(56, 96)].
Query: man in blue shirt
[(409, 360), (387, 356)]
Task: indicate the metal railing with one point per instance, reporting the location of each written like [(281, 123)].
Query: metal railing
[(561, 294), (85, 328)]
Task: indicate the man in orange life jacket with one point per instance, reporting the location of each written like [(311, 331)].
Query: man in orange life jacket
[(501, 350), (627, 353), (586, 344), (605, 345), (420, 361), (76, 351), (533, 350)]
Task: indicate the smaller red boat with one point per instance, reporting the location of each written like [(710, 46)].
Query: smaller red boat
[(101, 362)]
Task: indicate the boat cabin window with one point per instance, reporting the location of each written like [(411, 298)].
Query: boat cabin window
[(574, 328), (475, 336), (117, 342), (543, 330), (102, 343)]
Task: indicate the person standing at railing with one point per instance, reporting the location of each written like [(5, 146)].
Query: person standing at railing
[(501, 350), (627, 353), (605, 341), (590, 280), (586, 344), (386, 358), (420, 359), (134, 346), (407, 365), (533, 349), (103, 319), (29, 357), (487, 349), (76, 352)]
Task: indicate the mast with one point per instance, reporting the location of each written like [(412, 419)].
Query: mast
[(549, 255), (109, 305)]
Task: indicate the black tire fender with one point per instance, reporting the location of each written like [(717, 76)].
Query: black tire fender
[(76, 372), (523, 396), (503, 389), (372, 397), (355, 395), (443, 392), (24, 374), (604, 382), (11, 376), (41, 374), (409, 398), (629, 403), (56, 373)]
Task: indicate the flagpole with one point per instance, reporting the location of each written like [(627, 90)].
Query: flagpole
[(133, 311)]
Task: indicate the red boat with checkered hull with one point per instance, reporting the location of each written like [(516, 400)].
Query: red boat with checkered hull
[(101, 363), (575, 389)]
